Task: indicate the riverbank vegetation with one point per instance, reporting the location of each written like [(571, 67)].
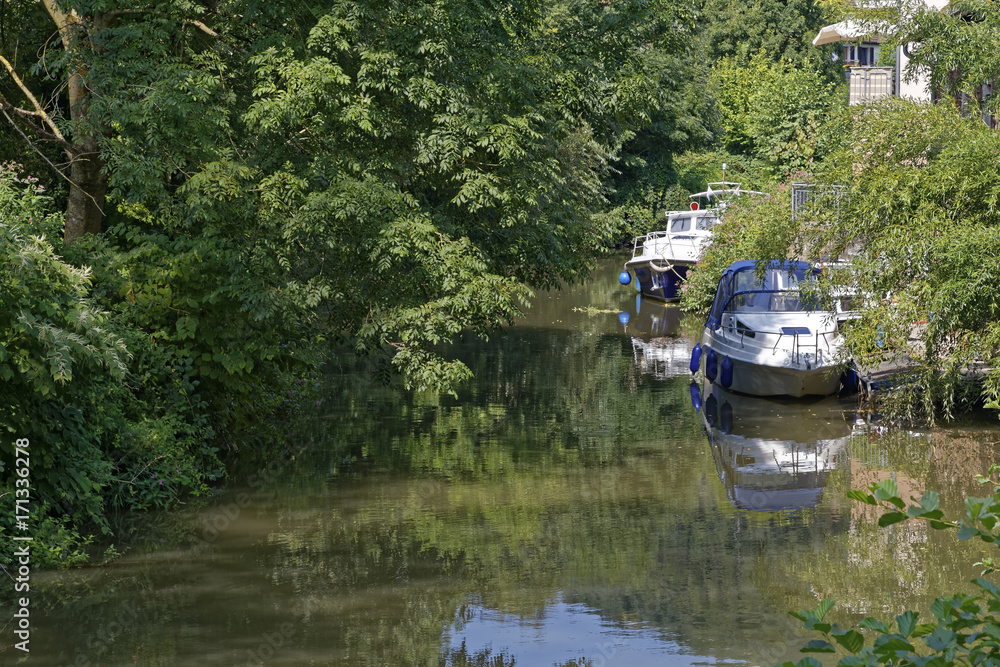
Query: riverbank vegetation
[(914, 206), (205, 204)]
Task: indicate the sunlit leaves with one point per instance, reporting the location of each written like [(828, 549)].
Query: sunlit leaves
[(442, 154), (47, 324), (965, 629), (774, 111)]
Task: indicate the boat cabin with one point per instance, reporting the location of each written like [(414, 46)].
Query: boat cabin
[(776, 303), (681, 222)]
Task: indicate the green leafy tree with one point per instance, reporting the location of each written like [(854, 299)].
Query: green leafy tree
[(389, 174), (782, 28), (439, 168), (920, 220), (49, 327), (774, 111), (755, 227), (114, 421), (748, 81), (736, 86), (647, 178)]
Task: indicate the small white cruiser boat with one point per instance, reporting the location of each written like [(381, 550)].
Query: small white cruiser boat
[(772, 336), (660, 260)]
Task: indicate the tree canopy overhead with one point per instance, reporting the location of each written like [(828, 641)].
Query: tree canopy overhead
[(784, 29), (394, 171)]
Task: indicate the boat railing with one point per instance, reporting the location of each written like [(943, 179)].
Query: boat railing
[(798, 343), (802, 338), (721, 193), (683, 241)]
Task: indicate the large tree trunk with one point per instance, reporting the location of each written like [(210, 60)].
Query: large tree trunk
[(85, 208)]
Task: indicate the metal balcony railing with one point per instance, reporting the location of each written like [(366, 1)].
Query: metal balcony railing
[(809, 196)]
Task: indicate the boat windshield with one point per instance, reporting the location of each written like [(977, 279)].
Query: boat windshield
[(771, 302), (774, 279), (685, 223), (782, 289)]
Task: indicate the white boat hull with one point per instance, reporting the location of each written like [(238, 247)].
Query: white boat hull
[(765, 380), (771, 364)]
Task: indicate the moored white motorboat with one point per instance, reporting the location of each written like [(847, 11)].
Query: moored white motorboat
[(771, 335), (661, 260)]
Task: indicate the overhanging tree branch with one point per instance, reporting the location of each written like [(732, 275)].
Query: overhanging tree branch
[(25, 115), (45, 157), (34, 101)]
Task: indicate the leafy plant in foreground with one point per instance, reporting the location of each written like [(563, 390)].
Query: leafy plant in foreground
[(965, 629)]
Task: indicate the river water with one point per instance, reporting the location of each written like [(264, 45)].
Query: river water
[(569, 507)]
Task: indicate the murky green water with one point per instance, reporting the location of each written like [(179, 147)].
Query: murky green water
[(571, 505)]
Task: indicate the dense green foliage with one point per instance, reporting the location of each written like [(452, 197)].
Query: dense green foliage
[(921, 222), (115, 419), (774, 111), (783, 29), (756, 227)]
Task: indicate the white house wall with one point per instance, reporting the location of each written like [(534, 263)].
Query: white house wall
[(920, 88)]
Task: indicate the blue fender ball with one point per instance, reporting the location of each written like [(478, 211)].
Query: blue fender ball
[(726, 376), (623, 317), (711, 364), (624, 277), (695, 358)]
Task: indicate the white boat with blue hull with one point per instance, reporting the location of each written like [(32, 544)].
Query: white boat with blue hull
[(772, 335), (661, 260)]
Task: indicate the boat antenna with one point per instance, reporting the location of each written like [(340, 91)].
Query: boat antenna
[(723, 175)]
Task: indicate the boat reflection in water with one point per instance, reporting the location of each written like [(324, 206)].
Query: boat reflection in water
[(772, 454), (657, 345)]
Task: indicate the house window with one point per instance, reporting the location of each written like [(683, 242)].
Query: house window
[(861, 54)]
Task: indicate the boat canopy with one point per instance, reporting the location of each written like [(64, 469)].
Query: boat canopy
[(741, 278)]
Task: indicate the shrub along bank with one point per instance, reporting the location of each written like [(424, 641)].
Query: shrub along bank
[(126, 377)]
